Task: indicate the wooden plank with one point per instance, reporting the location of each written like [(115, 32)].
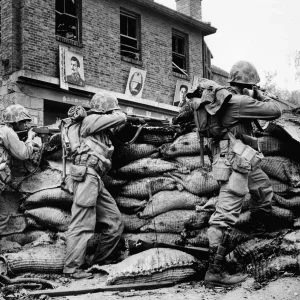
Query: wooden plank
[(108, 288)]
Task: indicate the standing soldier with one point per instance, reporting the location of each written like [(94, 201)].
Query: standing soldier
[(88, 141), (15, 118), (235, 165)]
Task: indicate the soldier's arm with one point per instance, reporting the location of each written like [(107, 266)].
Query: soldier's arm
[(95, 123), (17, 148), (250, 108)]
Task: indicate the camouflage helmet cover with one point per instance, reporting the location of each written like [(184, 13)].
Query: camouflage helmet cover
[(15, 113), (243, 72), (104, 102)]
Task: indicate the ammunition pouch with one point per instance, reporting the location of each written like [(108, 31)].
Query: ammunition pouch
[(247, 152), (238, 181), (78, 172), (98, 163)]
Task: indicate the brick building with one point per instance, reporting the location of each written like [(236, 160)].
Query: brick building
[(111, 37)]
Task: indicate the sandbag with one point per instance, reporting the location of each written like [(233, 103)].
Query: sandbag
[(165, 201), (153, 265)]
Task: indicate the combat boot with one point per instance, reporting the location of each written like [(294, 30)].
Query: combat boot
[(215, 275), (258, 221)]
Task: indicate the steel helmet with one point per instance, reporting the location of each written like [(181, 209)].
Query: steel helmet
[(243, 72), (15, 113), (104, 102)]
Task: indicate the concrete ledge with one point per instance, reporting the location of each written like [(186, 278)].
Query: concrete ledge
[(128, 100)]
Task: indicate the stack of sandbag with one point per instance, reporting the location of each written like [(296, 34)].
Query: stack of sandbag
[(157, 186), (163, 193)]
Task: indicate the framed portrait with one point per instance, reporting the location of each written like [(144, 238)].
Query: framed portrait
[(74, 68), (182, 88), (135, 82)]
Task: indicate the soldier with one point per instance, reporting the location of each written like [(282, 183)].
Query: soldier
[(236, 172), (15, 118), (92, 149)]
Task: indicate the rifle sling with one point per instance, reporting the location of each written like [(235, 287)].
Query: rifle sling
[(132, 140)]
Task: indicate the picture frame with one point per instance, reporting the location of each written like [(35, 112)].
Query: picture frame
[(136, 82), (181, 89)]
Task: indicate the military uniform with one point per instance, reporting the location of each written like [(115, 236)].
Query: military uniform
[(92, 202), (11, 146), (239, 113), (235, 163)]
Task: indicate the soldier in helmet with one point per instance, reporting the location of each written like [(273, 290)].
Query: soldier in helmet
[(15, 118), (236, 173), (91, 150)]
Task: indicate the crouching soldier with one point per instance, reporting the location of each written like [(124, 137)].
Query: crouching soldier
[(87, 140), (236, 157), (15, 118)]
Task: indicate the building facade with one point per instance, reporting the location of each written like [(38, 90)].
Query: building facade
[(111, 40)]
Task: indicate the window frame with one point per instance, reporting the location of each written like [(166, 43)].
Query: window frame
[(183, 72), (207, 71), (137, 59), (78, 41)]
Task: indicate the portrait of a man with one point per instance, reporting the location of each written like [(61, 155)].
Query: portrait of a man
[(136, 82), (182, 88), (75, 68)]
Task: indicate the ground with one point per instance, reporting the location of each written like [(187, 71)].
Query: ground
[(285, 288), (281, 289)]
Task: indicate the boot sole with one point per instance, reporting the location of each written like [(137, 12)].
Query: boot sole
[(217, 284)]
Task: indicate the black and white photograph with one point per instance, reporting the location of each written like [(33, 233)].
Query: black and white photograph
[(149, 149)]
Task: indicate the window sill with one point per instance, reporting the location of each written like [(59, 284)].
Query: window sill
[(68, 41), (131, 60), (181, 76)]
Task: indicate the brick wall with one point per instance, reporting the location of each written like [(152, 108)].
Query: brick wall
[(191, 8), (101, 46)]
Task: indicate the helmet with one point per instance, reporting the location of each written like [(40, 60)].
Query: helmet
[(243, 72), (15, 113), (104, 102)]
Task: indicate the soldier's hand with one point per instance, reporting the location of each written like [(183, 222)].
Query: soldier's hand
[(258, 94), (31, 134)]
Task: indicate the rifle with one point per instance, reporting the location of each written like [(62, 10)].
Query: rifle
[(140, 245), (43, 132), (251, 93), (150, 121)]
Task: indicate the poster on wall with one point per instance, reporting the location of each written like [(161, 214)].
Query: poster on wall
[(135, 82), (74, 68), (182, 88)]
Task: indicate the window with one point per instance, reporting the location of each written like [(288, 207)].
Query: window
[(129, 35), (67, 19), (179, 50), (207, 72)]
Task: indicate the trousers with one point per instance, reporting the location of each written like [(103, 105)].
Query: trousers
[(229, 204), (92, 204)]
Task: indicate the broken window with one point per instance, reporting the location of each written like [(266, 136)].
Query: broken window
[(129, 35), (67, 19), (179, 57)]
